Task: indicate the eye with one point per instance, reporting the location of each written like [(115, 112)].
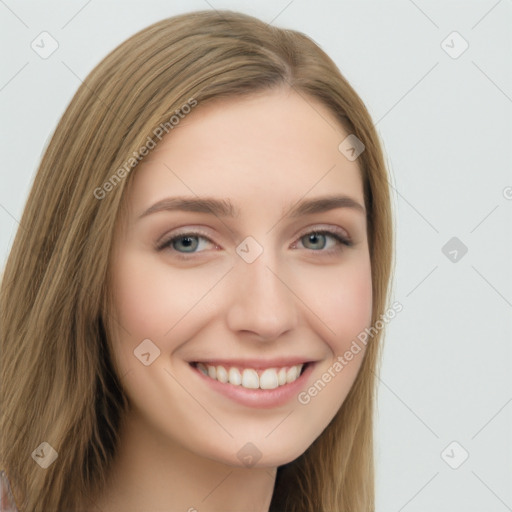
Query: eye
[(318, 239), (188, 243)]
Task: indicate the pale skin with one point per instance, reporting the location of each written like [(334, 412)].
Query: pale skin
[(300, 297)]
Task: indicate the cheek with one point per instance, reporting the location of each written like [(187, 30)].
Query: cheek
[(351, 305), (342, 300), (150, 298), (140, 307), (153, 301)]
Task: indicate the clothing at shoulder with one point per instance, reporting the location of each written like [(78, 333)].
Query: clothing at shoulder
[(7, 503)]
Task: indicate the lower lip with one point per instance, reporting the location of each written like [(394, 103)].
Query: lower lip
[(260, 398)]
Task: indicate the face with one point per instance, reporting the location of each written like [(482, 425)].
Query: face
[(255, 288)]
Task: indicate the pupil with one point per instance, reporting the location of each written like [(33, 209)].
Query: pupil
[(314, 238), (188, 242)]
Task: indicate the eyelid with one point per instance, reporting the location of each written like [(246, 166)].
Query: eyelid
[(165, 239), (319, 228)]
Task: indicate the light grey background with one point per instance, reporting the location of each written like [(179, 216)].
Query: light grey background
[(446, 126)]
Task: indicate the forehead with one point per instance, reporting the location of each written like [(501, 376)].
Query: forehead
[(260, 150)]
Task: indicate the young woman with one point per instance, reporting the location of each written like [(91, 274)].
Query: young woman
[(189, 308)]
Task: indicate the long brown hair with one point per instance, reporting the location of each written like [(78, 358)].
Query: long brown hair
[(58, 382)]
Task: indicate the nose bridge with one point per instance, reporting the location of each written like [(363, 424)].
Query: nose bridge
[(260, 301)]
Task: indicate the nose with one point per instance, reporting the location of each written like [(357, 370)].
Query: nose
[(261, 301)]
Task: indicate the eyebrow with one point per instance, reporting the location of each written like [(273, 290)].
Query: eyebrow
[(224, 208)]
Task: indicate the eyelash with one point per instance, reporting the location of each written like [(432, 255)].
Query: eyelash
[(340, 239)]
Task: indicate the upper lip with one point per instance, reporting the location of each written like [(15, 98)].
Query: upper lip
[(256, 363)]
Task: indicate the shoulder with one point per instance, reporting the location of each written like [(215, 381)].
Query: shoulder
[(7, 503)]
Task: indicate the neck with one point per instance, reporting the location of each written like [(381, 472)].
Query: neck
[(151, 472)]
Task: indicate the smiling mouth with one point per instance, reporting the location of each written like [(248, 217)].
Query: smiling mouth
[(250, 378)]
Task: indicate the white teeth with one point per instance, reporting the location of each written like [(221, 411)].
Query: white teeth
[(292, 373), (281, 376), (249, 378), (222, 374), (269, 379), (234, 377)]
